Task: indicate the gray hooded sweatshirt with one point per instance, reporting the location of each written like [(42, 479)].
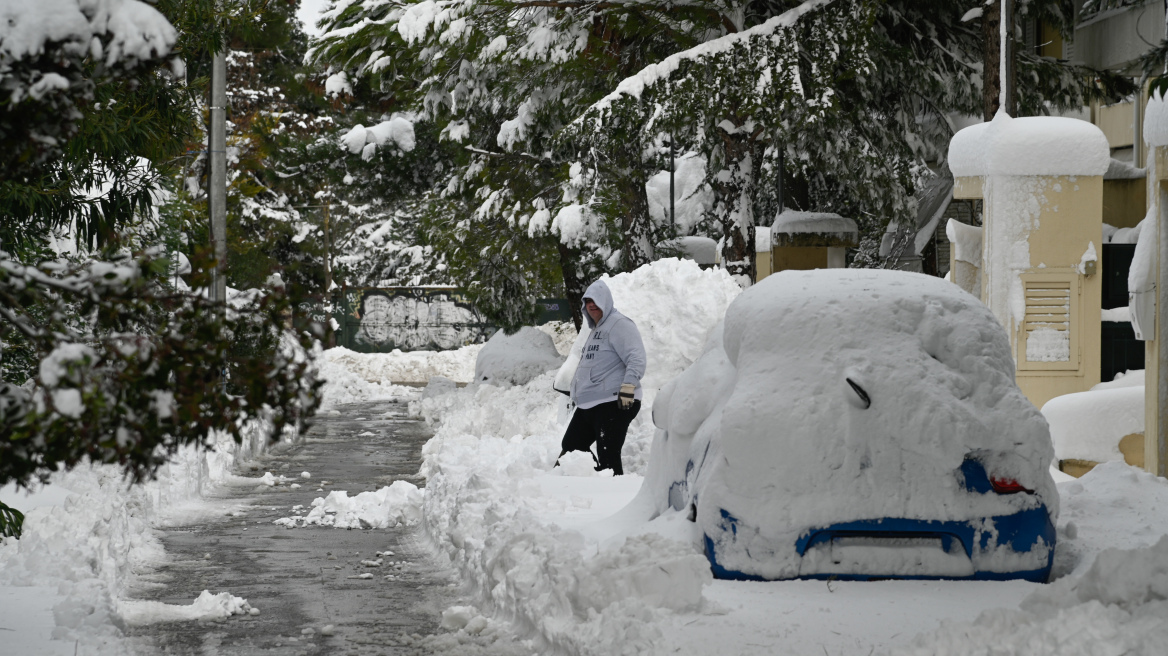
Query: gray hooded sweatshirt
[(613, 354)]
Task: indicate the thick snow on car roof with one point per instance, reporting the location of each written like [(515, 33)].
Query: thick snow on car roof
[(794, 445)]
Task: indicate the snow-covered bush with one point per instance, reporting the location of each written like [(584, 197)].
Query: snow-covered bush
[(130, 371), (516, 359)]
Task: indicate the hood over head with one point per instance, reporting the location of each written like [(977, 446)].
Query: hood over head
[(602, 297)]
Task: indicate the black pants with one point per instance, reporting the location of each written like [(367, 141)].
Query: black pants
[(606, 425)]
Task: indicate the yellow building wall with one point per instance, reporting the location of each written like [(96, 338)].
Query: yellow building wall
[(1124, 202), (1070, 218), (798, 258), (967, 188), (762, 265), (1116, 121)]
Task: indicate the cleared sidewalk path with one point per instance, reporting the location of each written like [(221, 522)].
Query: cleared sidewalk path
[(304, 579)]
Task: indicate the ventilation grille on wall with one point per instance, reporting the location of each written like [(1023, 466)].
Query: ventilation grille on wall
[(1049, 335)]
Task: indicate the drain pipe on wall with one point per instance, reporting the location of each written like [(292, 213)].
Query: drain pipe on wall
[(1138, 125)]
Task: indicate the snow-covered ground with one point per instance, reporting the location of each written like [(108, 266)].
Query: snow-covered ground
[(563, 554), (559, 555), (85, 534), (554, 553)]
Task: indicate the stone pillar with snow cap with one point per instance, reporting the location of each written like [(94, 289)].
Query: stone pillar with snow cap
[(811, 240), (1147, 286), (1041, 180)]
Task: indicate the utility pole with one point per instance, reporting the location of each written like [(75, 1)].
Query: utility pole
[(1158, 198), (328, 254), (998, 55), (672, 217), (1007, 101), (217, 195)]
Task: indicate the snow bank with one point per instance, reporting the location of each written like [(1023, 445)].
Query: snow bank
[(516, 359), (352, 377), (399, 504), (796, 418), (674, 304), (1034, 145), (1115, 601), (1089, 425), (484, 507), (89, 544)]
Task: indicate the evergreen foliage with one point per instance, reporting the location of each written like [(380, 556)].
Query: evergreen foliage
[(11, 521), (564, 110), (107, 355)]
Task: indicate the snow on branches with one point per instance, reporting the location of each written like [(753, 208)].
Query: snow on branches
[(130, 370), (741, 101), (46, 47)]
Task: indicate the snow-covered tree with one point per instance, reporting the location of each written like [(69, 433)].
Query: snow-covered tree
[(105, 357), (850, 102), (566, 109), (499, 80)]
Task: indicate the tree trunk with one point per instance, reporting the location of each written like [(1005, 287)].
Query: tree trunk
[(574, 283), (991, 26), (991, 44), (636, 228), (733, 207)]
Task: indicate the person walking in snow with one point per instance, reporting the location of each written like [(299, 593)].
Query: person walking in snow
[(606, 387)]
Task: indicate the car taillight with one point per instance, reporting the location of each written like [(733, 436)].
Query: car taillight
[(1008, 486)]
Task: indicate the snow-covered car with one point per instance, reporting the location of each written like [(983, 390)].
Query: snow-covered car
[(857, 424)]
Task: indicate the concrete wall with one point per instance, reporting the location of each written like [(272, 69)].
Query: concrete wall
[(1112, 39), (799, 258), (1124, 203), (1068, 217)]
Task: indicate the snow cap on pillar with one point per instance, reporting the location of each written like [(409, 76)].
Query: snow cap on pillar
[(1033, 145), (1156, 121)]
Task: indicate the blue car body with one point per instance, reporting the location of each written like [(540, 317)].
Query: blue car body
[(1022, 532)]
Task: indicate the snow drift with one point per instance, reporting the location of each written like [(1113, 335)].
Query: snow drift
[(483, 504), (516, 359)]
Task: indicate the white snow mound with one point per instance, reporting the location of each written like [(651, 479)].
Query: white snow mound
[(674, 303), (399, 504), (1033, 145), (1089, 425), (516, 359), (206, 606), (352, 377)]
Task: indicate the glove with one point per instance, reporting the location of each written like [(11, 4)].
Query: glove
[(625, 398)]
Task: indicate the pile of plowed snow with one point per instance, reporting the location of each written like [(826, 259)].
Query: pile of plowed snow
[(483, 504), (352, 377)]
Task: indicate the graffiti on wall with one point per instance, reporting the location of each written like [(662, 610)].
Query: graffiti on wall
[(411, 319)]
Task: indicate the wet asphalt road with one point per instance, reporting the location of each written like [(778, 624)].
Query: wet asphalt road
[(305, 578)]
